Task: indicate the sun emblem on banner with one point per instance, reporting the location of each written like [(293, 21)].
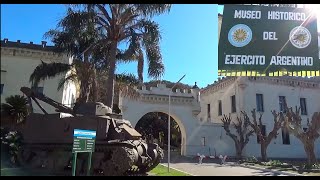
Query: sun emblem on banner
[(240, 35), (300, 37)]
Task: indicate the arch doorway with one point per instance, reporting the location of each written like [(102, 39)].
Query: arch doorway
[(154, 128)]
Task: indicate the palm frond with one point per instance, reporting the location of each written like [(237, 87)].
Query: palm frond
[(48, 70), (128, 79), (71, 77), (140, 58), (126, 91), (125, 85), (130, 54), (75, 32), (150, 10), (151, 42), (15, 107)]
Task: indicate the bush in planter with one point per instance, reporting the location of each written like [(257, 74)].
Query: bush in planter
[(11, 142), (313, 166), (274, 163), (4, 147), (252, 159)]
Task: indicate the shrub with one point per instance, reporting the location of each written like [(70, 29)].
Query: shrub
[(275, 163), (252, 159), (11, 142), (313, 166)]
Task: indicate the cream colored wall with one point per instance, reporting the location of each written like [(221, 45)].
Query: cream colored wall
[(18, 70), (246, 100), (212, 98), (271, 93)]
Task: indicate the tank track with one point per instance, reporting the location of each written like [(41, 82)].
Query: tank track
[(150, 165), (107, 160)]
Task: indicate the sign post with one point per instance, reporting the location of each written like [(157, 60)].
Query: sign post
[(74, 163), (83, 141), (268, 41)]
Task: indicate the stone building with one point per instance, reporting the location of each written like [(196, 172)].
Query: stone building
[(18, 61)]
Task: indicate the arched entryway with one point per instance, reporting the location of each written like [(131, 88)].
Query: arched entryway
[(154, 127)]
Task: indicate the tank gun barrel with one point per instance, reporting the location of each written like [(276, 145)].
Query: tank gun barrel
[(59, 107)]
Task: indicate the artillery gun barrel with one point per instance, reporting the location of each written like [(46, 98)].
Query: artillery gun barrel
[(59, 107)]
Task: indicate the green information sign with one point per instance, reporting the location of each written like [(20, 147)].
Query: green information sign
[(272, 41), (83, 141), (83, 145)]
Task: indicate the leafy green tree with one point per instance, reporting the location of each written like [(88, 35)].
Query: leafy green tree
[(125, 23), (92, 33), (154, 125), (91, 80), (15, 108)]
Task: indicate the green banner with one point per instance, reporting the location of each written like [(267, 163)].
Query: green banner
[(272, 41)]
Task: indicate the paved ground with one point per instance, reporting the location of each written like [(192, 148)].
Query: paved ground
[(213, 169)]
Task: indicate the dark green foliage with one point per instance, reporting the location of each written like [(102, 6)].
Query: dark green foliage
[(16, 107), (154, 125), (12, 144)]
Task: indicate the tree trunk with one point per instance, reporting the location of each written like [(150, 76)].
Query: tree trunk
[(309, 148), (263, 151), (111, 71), (238, 151), (84, 92), (94, 86)]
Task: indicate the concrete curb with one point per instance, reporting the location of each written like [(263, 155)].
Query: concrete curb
[(177, 169), (270, 170)]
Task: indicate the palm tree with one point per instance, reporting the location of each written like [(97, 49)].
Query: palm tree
[(131, 23), (74, 35), (79, 74), (93, 34), (15, 108)]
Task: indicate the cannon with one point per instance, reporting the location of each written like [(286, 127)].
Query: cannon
[(48, 140)]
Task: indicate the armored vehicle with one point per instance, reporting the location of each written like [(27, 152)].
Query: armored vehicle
[(119, 148)]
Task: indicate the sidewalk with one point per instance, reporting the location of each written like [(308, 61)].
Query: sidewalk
[(213, 169)]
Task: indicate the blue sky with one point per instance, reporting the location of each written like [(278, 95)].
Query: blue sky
[(189, 37)]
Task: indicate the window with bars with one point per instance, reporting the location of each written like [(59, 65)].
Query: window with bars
[(259, 101), (2, 86), (303, 106), (220, 108), (208, 110), (282, 102), (233, 104), (203, 141), (285, 136)]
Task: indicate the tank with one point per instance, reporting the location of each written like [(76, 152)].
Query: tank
[(119, 148)]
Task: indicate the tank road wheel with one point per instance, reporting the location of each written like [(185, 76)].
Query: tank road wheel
[(117, 161), (26, 157), (158, 152)]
